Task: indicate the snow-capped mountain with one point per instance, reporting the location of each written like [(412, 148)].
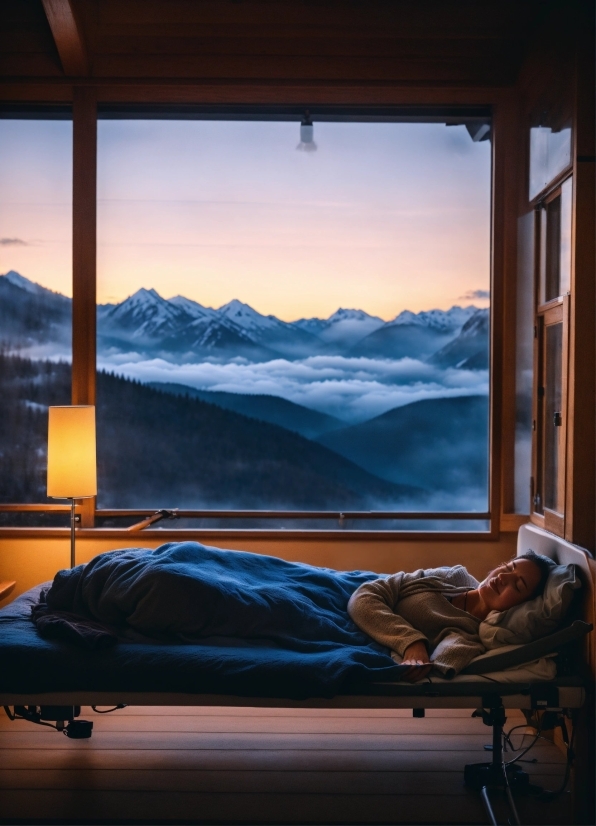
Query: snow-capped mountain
[(470, 349), (310, 325), (451, 319), (193, 308), (216, 336), (145, 314), (17, 280), (33, 318), (414, 335), (180, 328), (268, 331), (244, 316), (346, 327)]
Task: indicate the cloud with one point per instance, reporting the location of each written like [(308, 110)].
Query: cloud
[(476, 294), (353, 389), (13, 242)]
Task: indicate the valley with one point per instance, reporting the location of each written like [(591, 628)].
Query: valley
[(243, 410)]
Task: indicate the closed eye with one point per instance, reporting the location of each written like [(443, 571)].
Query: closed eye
[(520, 584)]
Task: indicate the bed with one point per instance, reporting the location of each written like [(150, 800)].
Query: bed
[(37, 671), (49, 680)]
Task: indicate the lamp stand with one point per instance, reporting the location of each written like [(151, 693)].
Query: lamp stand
[(72, 533)]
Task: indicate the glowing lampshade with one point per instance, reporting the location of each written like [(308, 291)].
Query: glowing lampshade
[(72, 471)]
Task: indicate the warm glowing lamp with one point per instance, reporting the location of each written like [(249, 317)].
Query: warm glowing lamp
[(72, 469)]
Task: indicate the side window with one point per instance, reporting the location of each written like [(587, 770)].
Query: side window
[(551, 357)]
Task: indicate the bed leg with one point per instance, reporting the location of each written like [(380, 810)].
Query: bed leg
[(496, 774)]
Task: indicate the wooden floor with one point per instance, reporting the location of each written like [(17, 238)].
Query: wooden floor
[(181, 765)]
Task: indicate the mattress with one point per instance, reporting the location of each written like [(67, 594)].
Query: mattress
[(33, 666)]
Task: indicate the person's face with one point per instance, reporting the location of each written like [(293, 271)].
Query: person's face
[(509, 584)]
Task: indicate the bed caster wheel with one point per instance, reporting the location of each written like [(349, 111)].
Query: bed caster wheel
[(79, 729)]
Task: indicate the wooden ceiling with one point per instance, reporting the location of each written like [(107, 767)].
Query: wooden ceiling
[(471, 43)]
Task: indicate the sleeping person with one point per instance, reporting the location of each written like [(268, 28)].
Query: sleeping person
[(184, 592), (431, 618)]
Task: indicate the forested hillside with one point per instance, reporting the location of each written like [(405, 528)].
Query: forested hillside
[(440, 445), (160, 450)]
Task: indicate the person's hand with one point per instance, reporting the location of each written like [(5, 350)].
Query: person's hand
[(416, 657)]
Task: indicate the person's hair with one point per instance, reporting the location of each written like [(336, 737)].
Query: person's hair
[(544, 565)]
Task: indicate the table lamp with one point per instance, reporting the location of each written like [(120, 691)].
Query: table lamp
[(72, 467)]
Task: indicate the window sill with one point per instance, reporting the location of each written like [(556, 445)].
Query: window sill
[(203, 534)]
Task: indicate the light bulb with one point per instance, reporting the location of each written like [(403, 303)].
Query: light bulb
[(307, 143)]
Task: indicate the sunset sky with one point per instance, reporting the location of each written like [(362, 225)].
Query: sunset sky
[(382, 217)]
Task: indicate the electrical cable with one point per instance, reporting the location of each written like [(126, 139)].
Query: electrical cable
[(527, 749), (546, 794), (108, 710), (14, 716), (551, 794)]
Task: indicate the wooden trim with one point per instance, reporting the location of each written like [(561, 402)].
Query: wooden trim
[(503, 274), (554, 522), (29, 508), (565, 406), (256, 514), (67, 36), (252, 92), (550, 305), (507, 165), (557, 313), (6, 588), (581, 438), (512, 522), (84, 257)]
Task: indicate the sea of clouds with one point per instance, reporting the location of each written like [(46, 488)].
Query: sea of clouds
[(353, 389)]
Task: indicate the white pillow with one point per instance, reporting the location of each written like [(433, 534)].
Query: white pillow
[(533, 619)]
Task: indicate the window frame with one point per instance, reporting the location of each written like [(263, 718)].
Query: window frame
[(85, 116), (546, 312)]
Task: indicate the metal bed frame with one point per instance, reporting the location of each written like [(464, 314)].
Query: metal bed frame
[(490, 699)]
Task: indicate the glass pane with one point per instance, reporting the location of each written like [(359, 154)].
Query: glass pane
[(35, 298), (550, 154), (553, 249), (524, 362), (553, 413), (565, 246), (293, 329)]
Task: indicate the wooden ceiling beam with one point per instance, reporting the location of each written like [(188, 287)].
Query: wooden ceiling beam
[(67, 36)]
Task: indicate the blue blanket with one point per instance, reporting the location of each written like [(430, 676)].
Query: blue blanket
[(287, 614)]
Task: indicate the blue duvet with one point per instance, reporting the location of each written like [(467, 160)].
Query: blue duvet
[(248, 623)]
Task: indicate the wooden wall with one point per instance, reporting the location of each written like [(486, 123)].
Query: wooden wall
[(30, 561)]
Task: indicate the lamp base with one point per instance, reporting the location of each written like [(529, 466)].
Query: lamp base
[(73, 520)]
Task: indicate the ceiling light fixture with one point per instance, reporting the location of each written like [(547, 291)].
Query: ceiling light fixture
[(307, 143)]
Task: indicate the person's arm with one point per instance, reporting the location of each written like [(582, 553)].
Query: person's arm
[(372, 607), (455, 651)]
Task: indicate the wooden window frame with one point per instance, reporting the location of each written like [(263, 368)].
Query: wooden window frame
[(550, 313), (85, 97)]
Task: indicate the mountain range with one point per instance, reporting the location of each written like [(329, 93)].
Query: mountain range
[(182, 330)]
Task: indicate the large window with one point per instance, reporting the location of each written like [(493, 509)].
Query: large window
[(294, 317), (35, 301)]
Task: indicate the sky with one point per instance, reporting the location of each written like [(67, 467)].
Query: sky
[(381, 217)]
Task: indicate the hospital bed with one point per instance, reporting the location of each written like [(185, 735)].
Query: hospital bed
[(45, 682)]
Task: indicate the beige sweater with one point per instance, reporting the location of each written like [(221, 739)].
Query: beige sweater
[(403, 608)]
